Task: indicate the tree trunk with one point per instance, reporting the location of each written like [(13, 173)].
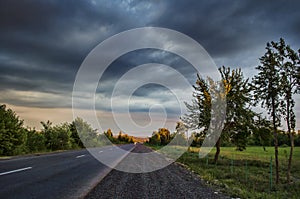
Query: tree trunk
[(290, 158), (218, 147), (275, 140), (288, 174)]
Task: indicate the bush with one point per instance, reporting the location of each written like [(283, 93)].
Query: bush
[(35, 141), (284, 145)]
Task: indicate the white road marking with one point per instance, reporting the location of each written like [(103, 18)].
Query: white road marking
[(100, 151), (14, 171), (80, 156)]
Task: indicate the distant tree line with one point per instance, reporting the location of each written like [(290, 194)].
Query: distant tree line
[(15, 139), (163, 136), (160, 137), (122, 138), (261, 137)]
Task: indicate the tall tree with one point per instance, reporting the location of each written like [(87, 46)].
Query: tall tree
[(47, 131), (199, 111), (239, 117), (267, 91), (74, 134), (88, 136), (289, 62), (238, 113)]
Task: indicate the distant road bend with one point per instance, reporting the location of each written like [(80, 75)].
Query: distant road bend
[(77, 174)]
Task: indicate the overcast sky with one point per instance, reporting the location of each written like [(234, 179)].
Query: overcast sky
[(43, 44)]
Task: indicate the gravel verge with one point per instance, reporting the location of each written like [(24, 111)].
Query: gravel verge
[(173, 181)]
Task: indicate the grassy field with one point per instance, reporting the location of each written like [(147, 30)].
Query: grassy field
[(246, 174)]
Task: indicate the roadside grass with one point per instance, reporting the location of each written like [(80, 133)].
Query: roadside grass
[(246, 174), (5, 157)]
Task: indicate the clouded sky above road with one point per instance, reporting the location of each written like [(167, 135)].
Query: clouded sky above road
[(43, 43)]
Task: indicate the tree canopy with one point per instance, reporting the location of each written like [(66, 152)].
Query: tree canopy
[(238, 113), (12, 133)]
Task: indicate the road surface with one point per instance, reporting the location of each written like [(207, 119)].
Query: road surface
[(69, 174), (172, 181), (77, 174)]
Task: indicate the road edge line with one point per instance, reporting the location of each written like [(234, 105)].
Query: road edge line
[(15, 171)]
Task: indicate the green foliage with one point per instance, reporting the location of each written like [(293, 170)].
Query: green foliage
[(262, 133), (289, 64), (160, 137), (12, 134), (283, 138), (275, 84), (239, 117), (35, 141), (177, 138), (199, 111), (124, 138), (155, 139), (263, 137), (266, 84), (109, 133), (297, 139), (88, 136), (165, 137), (74, 135), (110, 136), (63, 136), (267, 91), (57, 137), (197, 139), (16, 140)]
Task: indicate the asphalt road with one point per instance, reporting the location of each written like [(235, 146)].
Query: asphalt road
[(69, 174)]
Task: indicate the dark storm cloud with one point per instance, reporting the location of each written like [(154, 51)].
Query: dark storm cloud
[(229, 28), (42, 43), (51, 38), (135, 58)]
